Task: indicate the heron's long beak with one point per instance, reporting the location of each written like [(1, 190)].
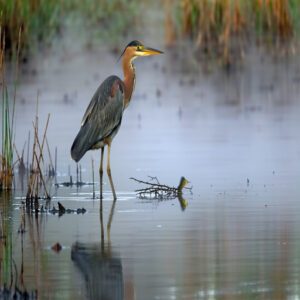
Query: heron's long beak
[(150, 51)]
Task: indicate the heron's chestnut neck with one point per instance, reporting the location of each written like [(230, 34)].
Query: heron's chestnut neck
[(129, 75)]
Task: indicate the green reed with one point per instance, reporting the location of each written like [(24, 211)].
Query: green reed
[(36, 18), (6, 168), (7, 121)]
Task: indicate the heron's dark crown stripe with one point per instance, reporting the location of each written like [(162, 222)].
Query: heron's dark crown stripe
[(134, 43)]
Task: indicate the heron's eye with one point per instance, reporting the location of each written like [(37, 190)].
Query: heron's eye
[(139, 48)]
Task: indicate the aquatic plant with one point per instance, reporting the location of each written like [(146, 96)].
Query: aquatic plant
[(109, 20), (37, 20), (6, 157), (36, 181), (12, 285), (226, 26), (41, 20)]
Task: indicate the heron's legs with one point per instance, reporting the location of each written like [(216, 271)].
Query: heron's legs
[(101, 175), (109, 171)]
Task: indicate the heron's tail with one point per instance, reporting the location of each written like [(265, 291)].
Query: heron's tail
[(80, 145)]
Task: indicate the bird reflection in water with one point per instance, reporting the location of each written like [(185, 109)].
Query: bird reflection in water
[(99, 265)]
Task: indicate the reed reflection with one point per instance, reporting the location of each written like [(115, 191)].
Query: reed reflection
[(12, 252), (100, 266)]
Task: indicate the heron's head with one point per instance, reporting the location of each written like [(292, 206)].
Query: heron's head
[(135, 49)]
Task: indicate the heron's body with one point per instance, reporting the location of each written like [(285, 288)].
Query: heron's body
[(103, 116)]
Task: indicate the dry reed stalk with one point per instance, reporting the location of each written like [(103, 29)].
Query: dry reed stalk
[(42, 177), (170, 30), (187, 12), (283, 19), (36, 175), (222, 27), (51, 170)]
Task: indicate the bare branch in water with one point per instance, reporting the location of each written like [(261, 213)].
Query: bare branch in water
[(160, 191)]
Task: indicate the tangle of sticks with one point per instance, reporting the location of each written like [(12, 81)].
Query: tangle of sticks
[(156, 190)]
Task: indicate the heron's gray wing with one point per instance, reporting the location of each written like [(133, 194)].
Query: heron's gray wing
[(103, 97), (90, 108), (102, 117)]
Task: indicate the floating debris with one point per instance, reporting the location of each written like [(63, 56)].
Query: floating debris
[(16, 293), (156, 190), (60, 210), (71, 183), (56, 247), (160, 192)]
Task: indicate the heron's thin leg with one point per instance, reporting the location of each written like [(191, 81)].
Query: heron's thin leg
[(101, 175), (109, 172)]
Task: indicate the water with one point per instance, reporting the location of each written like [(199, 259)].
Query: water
[(234, 136)]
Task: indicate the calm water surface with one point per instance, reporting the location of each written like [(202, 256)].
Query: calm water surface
[(236, 239)]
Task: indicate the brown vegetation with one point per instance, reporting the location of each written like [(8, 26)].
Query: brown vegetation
[(224, 26)]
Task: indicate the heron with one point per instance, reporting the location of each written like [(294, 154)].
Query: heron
[(103, 116)]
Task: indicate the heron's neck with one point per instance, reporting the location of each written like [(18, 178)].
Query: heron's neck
[(129, 78)]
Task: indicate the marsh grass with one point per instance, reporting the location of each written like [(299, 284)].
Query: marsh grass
[(107, 20), (37, 19), (6, 158), (8, 106), (225, 27), (41, 20), (36, 183)]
